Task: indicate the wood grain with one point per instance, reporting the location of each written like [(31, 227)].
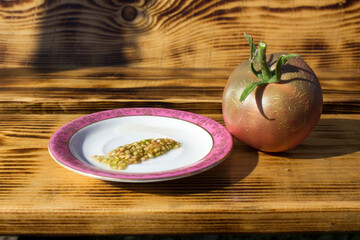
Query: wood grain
[(314, 187), (60, 60), (94, 89), (176, 33)]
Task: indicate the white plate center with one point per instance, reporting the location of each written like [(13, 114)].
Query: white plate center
[(101, 137)]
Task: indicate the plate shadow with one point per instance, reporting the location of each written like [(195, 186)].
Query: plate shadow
[(240, 163)]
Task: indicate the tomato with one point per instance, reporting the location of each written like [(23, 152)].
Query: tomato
[(276, 115)]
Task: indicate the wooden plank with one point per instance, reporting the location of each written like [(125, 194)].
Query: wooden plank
[(175, 33), (60, 60), (314, 187), (95, 89)]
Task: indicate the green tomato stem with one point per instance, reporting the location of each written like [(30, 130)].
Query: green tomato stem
[(261, 58), (265, 76)]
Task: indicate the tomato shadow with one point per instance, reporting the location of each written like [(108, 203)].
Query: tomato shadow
[(330, 138), (289, 68), (240, 163), (259, 92)]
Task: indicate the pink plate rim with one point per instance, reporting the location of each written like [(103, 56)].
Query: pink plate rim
[(60, 151)]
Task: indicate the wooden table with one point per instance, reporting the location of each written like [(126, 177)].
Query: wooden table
[(314, 187), (60, 60)]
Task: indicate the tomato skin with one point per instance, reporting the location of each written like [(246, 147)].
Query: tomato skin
[(275, 117)]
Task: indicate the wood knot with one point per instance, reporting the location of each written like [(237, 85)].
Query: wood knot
[(129, 13)]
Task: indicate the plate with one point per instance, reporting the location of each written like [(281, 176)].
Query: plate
[(204, 143)]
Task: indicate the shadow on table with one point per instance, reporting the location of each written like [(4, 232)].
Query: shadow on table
[(240, 163), (330, 138), (78, 35)]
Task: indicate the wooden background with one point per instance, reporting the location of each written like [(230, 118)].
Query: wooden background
[(152, 40), (60, 60), (175, 33)]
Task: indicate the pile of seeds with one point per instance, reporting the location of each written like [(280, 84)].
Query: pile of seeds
[(137, 152)]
